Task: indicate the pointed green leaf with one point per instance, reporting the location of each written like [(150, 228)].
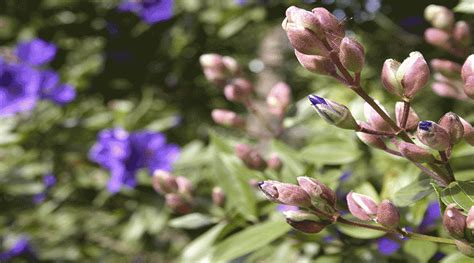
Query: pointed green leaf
[(412, 192)]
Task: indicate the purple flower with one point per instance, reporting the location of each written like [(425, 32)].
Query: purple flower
[(151, 11), (49, 180), (18, 88), (54, 91), (21, 247), (124, 154), (432, 214), (240, 2), (387, 246), (36, 52)]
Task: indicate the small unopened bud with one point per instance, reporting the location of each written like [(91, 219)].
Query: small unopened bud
[(227, 118), (333, 112), (185, 186), (305, 221), (304, 40), (468, 68), (433, 135), (332, 26), (454, 221), (316, 64), (414, 152), (163, 182), (372, 140), (279, 98), (361, 206), (274, 162), (218, 196), (305, 19), (468, 131), (387, 214), (177, 203), (439, 16), (231, 65), (465, 247), (389, 77), (352, 54), (250, 157), (437, 38), (446, 67), (413, 74), (211, 61), (288, 194), (322, 196), (238, 90), (470, 219), (374, 119), (445, 90), (453, 125), (462, 33), (469, 87), (413, 119)]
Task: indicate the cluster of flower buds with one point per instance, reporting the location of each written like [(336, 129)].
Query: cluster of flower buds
[(176, 189), (447, 76), (316, 202), (446, 33), (443, 135), (365, 208), (460, 227), (219, 69), (254, 160)]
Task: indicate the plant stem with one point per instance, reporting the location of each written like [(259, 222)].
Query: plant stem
[(406, 111), (364, 225), (393, 152), (418, 236), (374, 132)]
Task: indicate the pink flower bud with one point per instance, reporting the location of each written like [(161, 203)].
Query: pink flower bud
[(446, 90), (465, 247), (163, 182), (288, 194), (468, 68), (333, 112), (413, 119), (274, 162), (227, 118), (372, 140), (304, 40), (177, 203), (250, 157), (305, 19), (218, 196), (279, 98), (374, 119), (216, 76), (316, 64), (238, 90), (361, 206), (470, 218), (334, 28), (389, 77), (185, 186), (305, 221), (469, 87), (352, 54), (413, 74), (462, 33), (322, 196), (446, 67), (387, 215), (439, 16), (231, 65), (433, 135), (211, 61), (453, 125), (454, 221), (438, 38), (468, 131), (414, 152)]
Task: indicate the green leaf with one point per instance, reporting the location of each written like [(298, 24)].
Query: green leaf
[(249, 240), (457, 257), (191, 221), (359, 232), (331, 150), (465, 6), (413, 192), (419, 249), (460, 193), (438, 192), (200, 246)]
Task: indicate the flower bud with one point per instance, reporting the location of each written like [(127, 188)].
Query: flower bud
[(163, 182), (250, 157), (332, 26), (218, 196), (352, 54), (387, 215), (185, 186), (465, 247), (468, 131), (453, 125), (389, 77), (446, 67), (279, 98), (372, 140), (215, 76), (374, 119), (211, 61), (413, 119), (333, 113), (445, 90), (413, 74), (239, 90), (439, 16), (274, 162), (288, 194), (414, 152), (470, 219), (468, 68), (305, 221), (361, 206), (433, 135), (304, 40), (305, 19), (316, 64), (437, 38), (469, 87), (462, 33), (177, 203), (322, 197), (231, 65), (454, 221), (227, 118)]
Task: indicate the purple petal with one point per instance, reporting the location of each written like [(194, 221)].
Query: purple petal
[(387, 246), (36, 52), (156, 11), (432, 215)]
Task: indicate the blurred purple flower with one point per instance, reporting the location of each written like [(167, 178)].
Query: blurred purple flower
[(151, 11), (284, 208), (49, 180), (36, 52), (21, 247), (54, 91), (19, 86), (240, 2), (387, 246), (432, 214), (124, 154)]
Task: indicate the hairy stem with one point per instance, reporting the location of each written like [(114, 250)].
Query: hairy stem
[(375, 132)]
